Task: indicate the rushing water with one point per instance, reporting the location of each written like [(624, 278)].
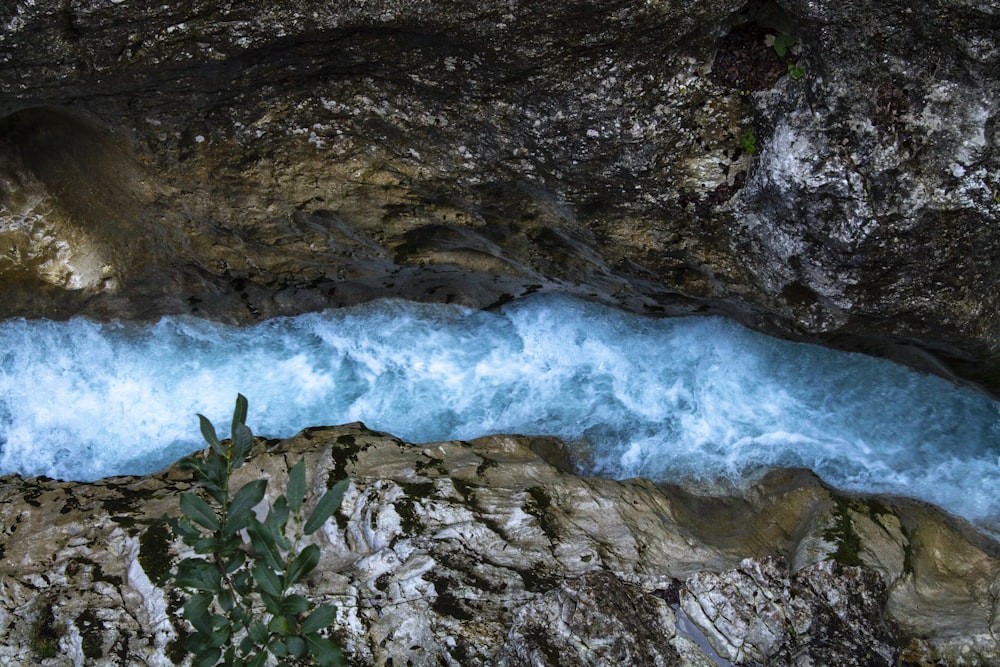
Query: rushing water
[(669, 399)]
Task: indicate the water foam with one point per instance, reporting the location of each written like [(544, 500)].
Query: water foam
[(668, 399)]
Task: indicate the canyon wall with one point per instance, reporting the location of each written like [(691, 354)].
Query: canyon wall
[(814, 169)]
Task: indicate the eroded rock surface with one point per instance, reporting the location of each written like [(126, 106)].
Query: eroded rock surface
[(481, 553), (841, 183)]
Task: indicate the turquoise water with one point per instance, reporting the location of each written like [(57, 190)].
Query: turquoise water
[(668, 399)]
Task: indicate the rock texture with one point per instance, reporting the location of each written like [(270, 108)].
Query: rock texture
[(483, 553), (241, 160)]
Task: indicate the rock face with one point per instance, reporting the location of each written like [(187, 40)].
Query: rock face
[(241, 160), (483, 553)]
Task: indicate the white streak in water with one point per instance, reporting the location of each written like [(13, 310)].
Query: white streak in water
[(669, 399)]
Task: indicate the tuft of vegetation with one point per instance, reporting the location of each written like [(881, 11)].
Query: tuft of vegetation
[(796, 71), (44, 635), (781, 44), (748, 142), (787, 45), (239, 600), (842, 534)]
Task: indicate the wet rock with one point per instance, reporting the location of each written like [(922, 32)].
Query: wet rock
[(481, 552), (814, 169)]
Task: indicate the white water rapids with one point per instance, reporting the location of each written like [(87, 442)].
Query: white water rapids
[(668, 399)]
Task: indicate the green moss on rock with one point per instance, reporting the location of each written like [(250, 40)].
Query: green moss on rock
[(154, 552), (44, 634), (842, 534)]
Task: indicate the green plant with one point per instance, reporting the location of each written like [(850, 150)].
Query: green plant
[(796, 71), (240, 601), (781, 44), (748, 142), (44, 636)]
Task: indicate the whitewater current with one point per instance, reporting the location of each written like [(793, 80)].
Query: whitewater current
[(675, 400)]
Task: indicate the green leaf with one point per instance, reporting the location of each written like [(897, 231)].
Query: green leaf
[(208, 432), (197, 643), (240, 616), (267, 580), (327, 505), (198, 574), (239, 413), (322, 617), (297, 486), (198, 511), (325, 651), (226, 601), (277, 517), (782, 43), (292, 605), (205, 545), (185, 530), (263, 541), (189, 463), (246, 646), (196, 611), (271, 603), (214, 472), (220, 636), (258, 660), (302, 564), (281, 625), (242, 444), (242, 583), (258, 633), (296, 646), (236, 561), (244, 501), (208, 658)]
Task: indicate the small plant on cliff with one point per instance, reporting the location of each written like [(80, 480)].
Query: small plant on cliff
[(239, 601), (796, 71), (748, 142), (781, 44)]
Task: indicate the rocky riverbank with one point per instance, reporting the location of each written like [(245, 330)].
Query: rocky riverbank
[(493, 552)]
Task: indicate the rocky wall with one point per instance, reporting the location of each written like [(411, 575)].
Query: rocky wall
[(237, 161)]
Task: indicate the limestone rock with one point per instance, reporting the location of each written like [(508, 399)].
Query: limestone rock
[(815, 169), (482, 552)]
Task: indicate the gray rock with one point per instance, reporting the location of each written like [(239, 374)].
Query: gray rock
[(479, 553)]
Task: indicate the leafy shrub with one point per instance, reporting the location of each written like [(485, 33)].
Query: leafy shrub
[(239, 601)]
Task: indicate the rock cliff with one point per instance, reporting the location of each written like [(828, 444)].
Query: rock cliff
[(486, 553), (818, 169)]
